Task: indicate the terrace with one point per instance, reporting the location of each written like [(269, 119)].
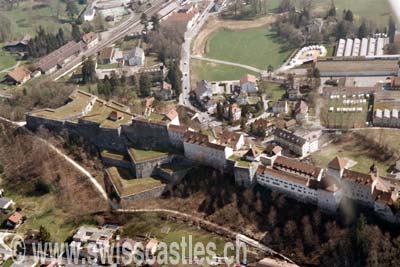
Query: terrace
[(139, 155), (100, 114), (126, 187)]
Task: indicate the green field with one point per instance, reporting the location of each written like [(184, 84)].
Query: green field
[(27, 16), (257, 47), (343, 120), (7, 60), (376, 10), (273, 91), (168, 232), (353, 148), (202, 70)]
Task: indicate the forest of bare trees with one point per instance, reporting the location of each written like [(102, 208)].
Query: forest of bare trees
[(29, 167)]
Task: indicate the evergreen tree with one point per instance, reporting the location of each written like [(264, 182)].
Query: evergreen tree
[(156, 22), (144, 85), (332, 10), (76, 33), (220, 111), (174, 77), (44, 234), (144, 21), (392, 29), (71, 9), (341, 31), (362, 30), (348, 15), (88, 71), (230, 114)]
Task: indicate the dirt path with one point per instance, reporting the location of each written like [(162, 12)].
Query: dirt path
[(214, 23)]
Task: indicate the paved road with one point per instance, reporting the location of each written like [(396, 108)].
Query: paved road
[(229, 63), (186, 54)]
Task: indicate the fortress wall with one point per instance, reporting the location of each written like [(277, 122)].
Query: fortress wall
[(148, 168), (147, 135)]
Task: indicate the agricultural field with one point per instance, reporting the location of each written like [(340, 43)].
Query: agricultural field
[(375, 10), (352, 147), (27, 16), (202, 70), (257, 47)]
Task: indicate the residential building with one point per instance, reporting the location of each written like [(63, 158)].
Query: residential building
[(301, 110), (203, 91), (264, 125), (199, 148), (90, 12), (134, 57), (230, 139), (109, 55), (297, 179), (18, 76), (14, 220), (184, 19), (59, 57), (293, 93), (171, 117), (253, 154), (285, 123), (19, 46), (301, 143), (91, 240), (5, 203), (280, 107), (164, 92), (235, 110), (90, 39), (248, 83)]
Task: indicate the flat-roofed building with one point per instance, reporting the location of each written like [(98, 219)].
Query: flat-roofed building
[(364, 47), (349, 47)]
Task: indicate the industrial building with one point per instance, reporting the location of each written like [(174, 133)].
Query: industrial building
[(364, 47)]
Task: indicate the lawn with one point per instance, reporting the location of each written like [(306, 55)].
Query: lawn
[(27, 16), (42, 211), (352, 147), (7, 60), (257, 47), (168, 232), (272, 90), (386, 137), (126, 187), (202, 70), (108, 66)]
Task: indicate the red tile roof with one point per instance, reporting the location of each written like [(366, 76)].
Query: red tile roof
[(19, 74), (297, 166), (248, 78), (15, 218)]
